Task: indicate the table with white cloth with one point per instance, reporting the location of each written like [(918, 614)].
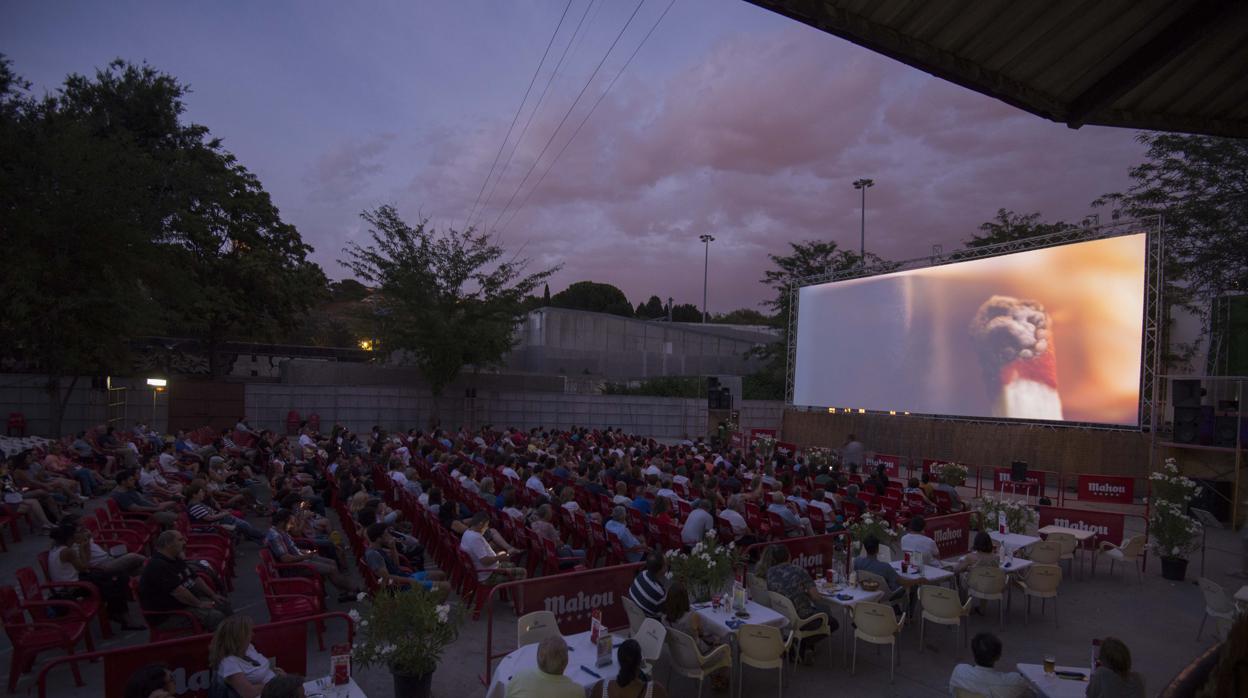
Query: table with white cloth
[(1008, 565), (324, 688), (1012, 542), (715, 621), (581, 654), (928, 573), (1081, 536), (855, 594), (1052, 685)]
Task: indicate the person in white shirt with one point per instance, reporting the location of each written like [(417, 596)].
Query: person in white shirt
[(915, 541), (305, 439), (492, 567), (511, 473), (699, 522), (679, 478), (236, 661), (621, 494), (982, 678), (652, 469), (397, 474), (666, 491), (820, 502), (734, 518), (535, 483)]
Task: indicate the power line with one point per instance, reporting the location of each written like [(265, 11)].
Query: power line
[(519, 109), (588, 114), (569, 111), (538, 105)]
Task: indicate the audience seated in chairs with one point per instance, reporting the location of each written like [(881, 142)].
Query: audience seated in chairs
[(381, 560), (649, 587), (869, 563), (130, 499), (70, 560), (492, 567), (547, 680), (235, 662), (284, 550), (202, 510), (169, 583), (630, 681)]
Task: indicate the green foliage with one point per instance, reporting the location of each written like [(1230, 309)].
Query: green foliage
[(445, 300), (1009, 226), (347, 291), (742, 316), (763, 384), (594, 297), (686, 312), (707, 568), (664, 386), (652, 309), (406, 631), (1173, 532)]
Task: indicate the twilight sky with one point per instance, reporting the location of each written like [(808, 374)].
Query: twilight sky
[(731, 120)]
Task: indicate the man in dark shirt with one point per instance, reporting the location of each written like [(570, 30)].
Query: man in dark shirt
[(129, 499), (169, 583)]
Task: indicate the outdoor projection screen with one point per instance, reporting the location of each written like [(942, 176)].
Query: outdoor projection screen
[(1050, 334)]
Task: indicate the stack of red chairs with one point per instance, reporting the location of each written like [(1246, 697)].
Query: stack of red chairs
[(63, 610), (32, 637)]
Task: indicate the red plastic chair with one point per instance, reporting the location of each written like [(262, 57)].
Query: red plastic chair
[(552, 563), (288, 598), (29, 638), (76, 610), (475, 590), (154, 620), (17, 422)]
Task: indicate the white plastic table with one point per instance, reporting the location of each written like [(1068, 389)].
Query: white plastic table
[(1013, 541), (855, 594), (1052, 685), (929, 573), (1082, 536), (716, 622), (324, 688), (581, 653)]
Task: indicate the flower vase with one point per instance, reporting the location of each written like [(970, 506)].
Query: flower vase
[(1173, 568)]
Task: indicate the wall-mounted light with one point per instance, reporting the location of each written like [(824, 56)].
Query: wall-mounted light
[(366, 344), (157, 382), (861, 411)]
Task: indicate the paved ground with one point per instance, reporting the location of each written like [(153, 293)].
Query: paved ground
[(1157, 619)]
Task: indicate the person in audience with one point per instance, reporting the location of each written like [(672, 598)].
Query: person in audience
[(173, 467), (130, 499), (981, 554), (1113, 677), (113, 446), (648, 589), (69, 560), (50, 496), (870, 563), (284, 686), (201, 510), (283, 548), (660, 512), (734, 515), (492, 567), (154, 483), (927, 487), (169, 583), (700, 522), (547, 680), (630, 682), (89, 481), (678, 615), (916, 542), (618, 526), (381, 558), (794, 525), (795, 583), (151, 681), (851, 498), (235, 662), (621, 494), (952, 491), (913, 488), (85, 452), (543, 525), (17, 502), (981, 678)]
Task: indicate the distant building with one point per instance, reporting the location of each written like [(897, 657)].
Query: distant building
[(559, 341)]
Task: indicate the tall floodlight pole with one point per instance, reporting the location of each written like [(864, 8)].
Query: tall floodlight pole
[(706, 260), (863, 185)]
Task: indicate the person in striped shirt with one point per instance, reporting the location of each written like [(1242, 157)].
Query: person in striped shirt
[(201, 511), (648, 590)]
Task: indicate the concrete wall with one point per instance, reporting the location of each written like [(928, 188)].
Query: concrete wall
[(86, 407), (405, 407)]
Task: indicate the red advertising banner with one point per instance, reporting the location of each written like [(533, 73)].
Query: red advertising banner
[(755, 433), (892, 464), (1106, 488), (815, 554), (736, 440), (952, 533), (1001, 476), (572, 596), (1107, 525), (786, 449)]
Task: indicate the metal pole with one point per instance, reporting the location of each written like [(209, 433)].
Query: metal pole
[(706, 239), (862, 232)]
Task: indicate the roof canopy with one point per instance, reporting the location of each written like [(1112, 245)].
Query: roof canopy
[(1168, 65)]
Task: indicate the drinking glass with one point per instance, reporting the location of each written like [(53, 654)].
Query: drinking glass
[(1050, 664)]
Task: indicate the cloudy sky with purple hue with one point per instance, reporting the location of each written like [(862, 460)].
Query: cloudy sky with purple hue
[(731, 120)]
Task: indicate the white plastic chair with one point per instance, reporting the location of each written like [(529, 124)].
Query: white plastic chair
[(687, 659), (1129, 551), (1046, 552), (782, 605), (758, 590), (1068, 545), (1041, 581), (535, 627), (989, 584), (941, 605), (635, 616), (1218, 605), (762, 647), (651, 637), (878, 624)]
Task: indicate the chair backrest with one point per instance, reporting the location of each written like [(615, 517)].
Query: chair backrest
[(1216, 599), (761, 643), (1133, 546), (986, 580), (758, 590), (1046, 552), (29, 584), (11, 613), (941, 602), (535, 627), (1044, 578), (683, 651), (1066, 542), (875, 619), (782, 605), (635, 616), (651, 637)]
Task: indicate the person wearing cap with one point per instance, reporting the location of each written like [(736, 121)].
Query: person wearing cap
[(700, 521)]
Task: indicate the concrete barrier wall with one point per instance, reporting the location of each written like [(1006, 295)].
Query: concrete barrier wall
[(86, 407), (399, 407)]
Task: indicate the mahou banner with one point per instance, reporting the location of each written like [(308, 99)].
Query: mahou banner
[(892, 464), (1106, 488), (814, 554), (786, 449), (572, 596), (755, 433), (952, 533), (1107, 525)]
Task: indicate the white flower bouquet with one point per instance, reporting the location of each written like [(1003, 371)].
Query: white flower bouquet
[(707, 568), (406, 631), (868, 525), (1018, 516), (950, 473), (1173, 532)]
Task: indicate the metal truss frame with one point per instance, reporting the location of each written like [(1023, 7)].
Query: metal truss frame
[(1151, 350)]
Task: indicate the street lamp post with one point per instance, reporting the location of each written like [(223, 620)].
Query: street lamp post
[(706, 260), (863, 184)]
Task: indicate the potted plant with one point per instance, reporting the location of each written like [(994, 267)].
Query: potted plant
[(951, 473), (707, 568), (1018, 516), (868, 525), (765, 446), (1172, 531), (407, 632)]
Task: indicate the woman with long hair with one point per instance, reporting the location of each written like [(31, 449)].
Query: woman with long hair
[(1113, 677), (630, 682), (70, 559), (235, 662)]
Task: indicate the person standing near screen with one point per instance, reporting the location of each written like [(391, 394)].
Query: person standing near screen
[(852, 453)]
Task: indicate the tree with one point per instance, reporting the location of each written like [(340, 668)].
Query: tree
[(652, 309), (1009, 226), (1199, 186), (686, 312), (347, 290), (742, 316), (546, 294), (445, 299), (594, 297)]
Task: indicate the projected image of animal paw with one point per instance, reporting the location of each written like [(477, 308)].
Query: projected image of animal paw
[(1017, 353)]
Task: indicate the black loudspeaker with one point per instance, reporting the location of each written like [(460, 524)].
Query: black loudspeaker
[(1214, 496), (1224, 431), (1018, 471), (1186, 393), (1186, 424), (712, 393)]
